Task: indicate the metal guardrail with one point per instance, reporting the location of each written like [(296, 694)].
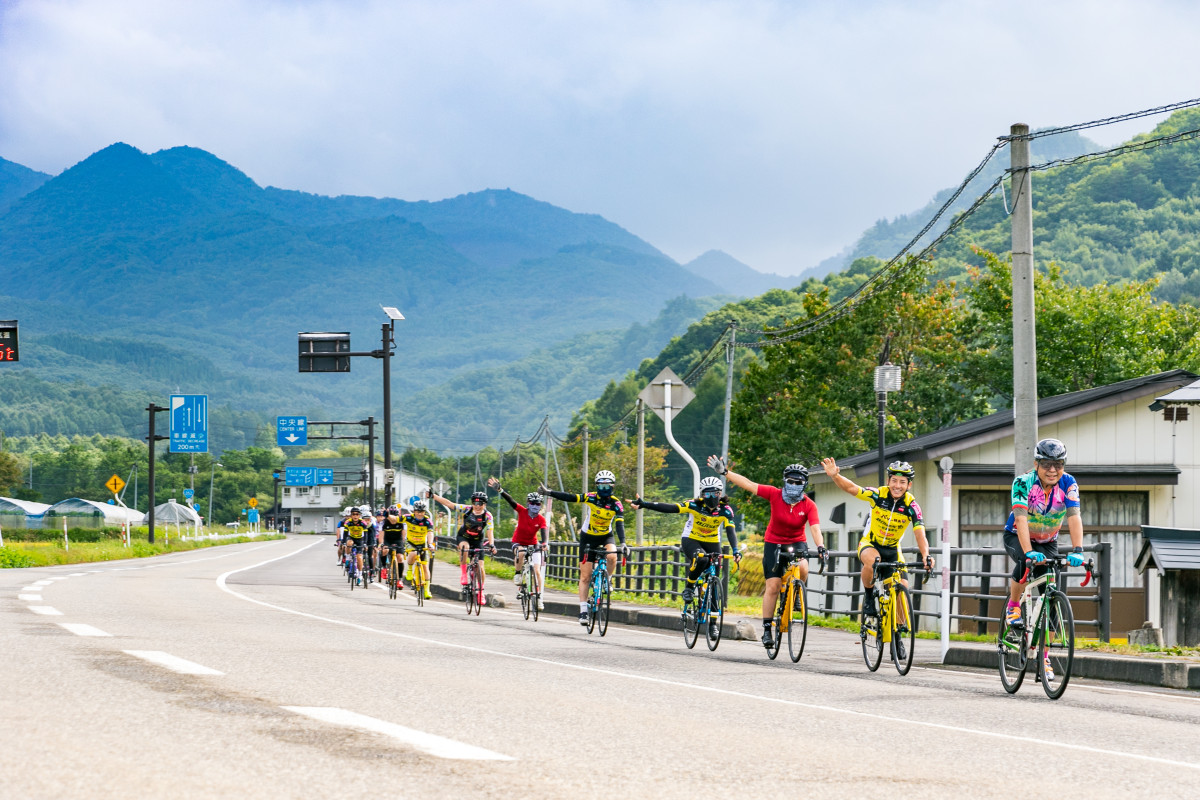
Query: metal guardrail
[(660, 571)]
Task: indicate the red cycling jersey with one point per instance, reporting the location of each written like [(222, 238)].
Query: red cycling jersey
[(788, 522), (526, 533)]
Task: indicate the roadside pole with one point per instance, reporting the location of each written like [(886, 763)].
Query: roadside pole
[(153, 439), (729, 353), (947, 464), (641, 476), (585, 459), (66, 542), (1025, 423)]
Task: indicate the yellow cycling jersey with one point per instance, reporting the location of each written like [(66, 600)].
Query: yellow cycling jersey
[(599, 513), (890, 517), (417, 530), (704, 525), (354, 528)]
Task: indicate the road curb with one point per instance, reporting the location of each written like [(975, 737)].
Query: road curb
[(1125, 669)]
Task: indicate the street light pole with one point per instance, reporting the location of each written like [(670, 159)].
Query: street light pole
[(153, 439), (211, 474)]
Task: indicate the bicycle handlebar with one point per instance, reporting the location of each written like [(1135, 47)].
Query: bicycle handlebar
[(1059, 562)]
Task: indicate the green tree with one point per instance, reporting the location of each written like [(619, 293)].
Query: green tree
[(10, 473)]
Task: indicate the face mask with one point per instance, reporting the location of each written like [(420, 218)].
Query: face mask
[(709, 500), (792, 493), (534, 510), (604, 490)]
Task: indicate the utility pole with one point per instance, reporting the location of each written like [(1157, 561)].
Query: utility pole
[(729, 350), (388, 328), (370, 437), (585, 459), (1025, 422), (641, 476)]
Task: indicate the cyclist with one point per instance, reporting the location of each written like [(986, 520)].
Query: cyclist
[(392, 536), (1041, 499), (603, 516), (707, 514), (477, 523), (893, 508), (418, 529), (359, 535), (792, 514), (529, 523)]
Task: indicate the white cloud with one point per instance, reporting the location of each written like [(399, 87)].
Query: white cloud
[(776, 131)]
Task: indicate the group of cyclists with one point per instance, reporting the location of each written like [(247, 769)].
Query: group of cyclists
[(1042, 500), (406, 532)]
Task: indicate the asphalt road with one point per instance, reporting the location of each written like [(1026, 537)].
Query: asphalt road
[(311, 690)]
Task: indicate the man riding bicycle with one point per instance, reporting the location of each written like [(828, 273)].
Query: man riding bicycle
[(603, 516), (392, 533), (893, 508), (418, 531), (1041, 499), (530, 523), (708, 515), (359, 534)]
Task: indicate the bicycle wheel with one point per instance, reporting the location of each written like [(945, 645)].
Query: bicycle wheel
[(605, 604), (477, 588), (872, 641), (1056, 642), (593, 602), (691, 619), (778, 622), (714, 616), (1013, 651), (352, 573), (469, 590), (526, 595), (418, 581), (903, 641), (798, 626)]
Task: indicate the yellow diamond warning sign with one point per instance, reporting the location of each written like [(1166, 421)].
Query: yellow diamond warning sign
[(115, 484)]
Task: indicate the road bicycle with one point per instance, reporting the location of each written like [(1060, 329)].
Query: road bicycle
[(1050, 637), (370, 570), (707, 606), (791, 612), (894, 624), (599, 600), (473, 591), (420, 574), (394, 565), (527, 589)]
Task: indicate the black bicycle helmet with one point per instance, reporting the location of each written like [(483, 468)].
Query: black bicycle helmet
[(1050, 450), (901, 468), (479, 497), (796, 472), (419, 505), (356, 510)]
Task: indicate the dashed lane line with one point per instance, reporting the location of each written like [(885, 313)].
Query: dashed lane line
[(79, 629), (49, 611), (173, 663), (429, 743)]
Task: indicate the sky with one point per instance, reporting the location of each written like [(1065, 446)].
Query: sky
[(775, 131)]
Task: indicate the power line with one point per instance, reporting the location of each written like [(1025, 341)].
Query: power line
[(1096, 123)]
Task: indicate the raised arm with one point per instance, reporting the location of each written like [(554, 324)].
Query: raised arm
[(662, 508), (495, 484), (717, 465), (443, 501), (841, 481)]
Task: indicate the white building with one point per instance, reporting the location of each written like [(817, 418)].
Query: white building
[(317, 509), (1134, 466)]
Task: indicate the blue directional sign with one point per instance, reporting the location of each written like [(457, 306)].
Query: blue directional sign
[(413, 499), (308, 476), (291, 431), (189, 423), (188, 494), (252, 516)]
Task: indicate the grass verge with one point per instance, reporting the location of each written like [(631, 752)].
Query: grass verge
[(45, 554)]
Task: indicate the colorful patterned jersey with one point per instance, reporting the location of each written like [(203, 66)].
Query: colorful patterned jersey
[(890, 516), (704, 524), (1045, 511)]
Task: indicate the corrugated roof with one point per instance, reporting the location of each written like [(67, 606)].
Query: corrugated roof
[(1169, 548), (995, 426), (11, 505), (1188, 395)]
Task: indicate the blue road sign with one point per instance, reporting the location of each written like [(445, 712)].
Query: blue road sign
[(413, 499), (291, 431), (252, 516), (308, 476), (196, 506), (188, 494), (189, 423)]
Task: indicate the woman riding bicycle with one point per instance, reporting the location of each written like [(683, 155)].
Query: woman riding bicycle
[(792, 512), (707, 514), (418, 533), (477, 524), (392, 537)]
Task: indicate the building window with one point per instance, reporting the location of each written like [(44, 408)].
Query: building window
[(301, 491), (287, 491), (316, 491)]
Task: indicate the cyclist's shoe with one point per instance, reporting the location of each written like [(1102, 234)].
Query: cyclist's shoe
[(517, 579), (768, 638), (399, 584), (902, 629), (1047, 669), (583, 618), (541, 605), (480, 599), (383, 575), (900, 651), (428, 594), (1013, 617), (869, 607), (689, 594)]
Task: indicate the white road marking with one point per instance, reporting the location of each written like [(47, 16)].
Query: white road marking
[(30, 598), (49, 611), (79, 629), (221, 582), (174, 663), (31, 588), (40, 583), (76, 574), (429, 743)]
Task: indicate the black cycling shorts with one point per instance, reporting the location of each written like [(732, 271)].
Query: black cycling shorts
[(587, 541), (1012, 543), (473, 542), (777, 556), (691, 547)]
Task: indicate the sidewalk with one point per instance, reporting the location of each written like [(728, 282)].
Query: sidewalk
[(1166, 672)]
